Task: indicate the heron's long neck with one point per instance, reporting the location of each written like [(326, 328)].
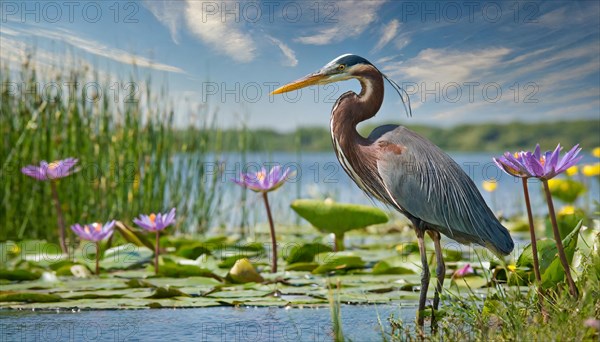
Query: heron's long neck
[(356, 153), (351, 109)]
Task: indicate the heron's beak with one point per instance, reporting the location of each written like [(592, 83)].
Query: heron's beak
[(309, 80)]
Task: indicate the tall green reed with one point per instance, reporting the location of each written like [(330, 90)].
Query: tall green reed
[(132, 158)]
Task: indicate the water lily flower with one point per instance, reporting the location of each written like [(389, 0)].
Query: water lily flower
[(262, 181), (156, 223), (548, 165), (94, 232), (464, 271), (513, 164), (49, 171), (53, 171)]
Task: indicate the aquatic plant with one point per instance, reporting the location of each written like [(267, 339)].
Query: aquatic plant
[(52, 172), (263, 183), (94, 232), (155, 223), (546, 166)]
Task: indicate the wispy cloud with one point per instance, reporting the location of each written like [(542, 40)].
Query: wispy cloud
[(388, 32), (225, 36), (352, 19), (288, 53), (169, 13), (97, 48), (447, 65)]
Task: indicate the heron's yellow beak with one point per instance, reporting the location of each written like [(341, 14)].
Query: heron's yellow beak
[(301, 83)]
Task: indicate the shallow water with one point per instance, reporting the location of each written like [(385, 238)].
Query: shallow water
[(360, 323)]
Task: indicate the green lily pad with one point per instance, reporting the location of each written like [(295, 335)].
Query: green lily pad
[(192, 251), (383, 267), (306, 252), (167, 292), (302, 266), (184, 271), (29, 297), (19, 274), (138, 283), (339, 262), (243, 272), (555, 272), (338, 218)]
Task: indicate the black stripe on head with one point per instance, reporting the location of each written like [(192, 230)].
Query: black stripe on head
[(350, 60)]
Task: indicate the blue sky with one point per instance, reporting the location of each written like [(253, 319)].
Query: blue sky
[(461, 62)]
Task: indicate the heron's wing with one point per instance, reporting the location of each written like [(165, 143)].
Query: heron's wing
[(425, 182)]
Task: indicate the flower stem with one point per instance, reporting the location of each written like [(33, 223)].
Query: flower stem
[(534, 251), (97, 257), (273, 240), (559, 245), (156, 253), (61, 219)]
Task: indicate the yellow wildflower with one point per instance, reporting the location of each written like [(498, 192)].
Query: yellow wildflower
[(596, 152), (567, 210), (572, 171), (591, 170), (490, 185)]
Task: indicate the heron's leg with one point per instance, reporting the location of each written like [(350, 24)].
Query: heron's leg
[(424, 276), (440, 270)]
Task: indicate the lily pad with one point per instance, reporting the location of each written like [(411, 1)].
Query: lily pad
[(338, 262), (302, 266), (383, 267), (19, 274), (184, 271), (306, 252), (338, 218), (167, 292), (192, 251), (29, 297)]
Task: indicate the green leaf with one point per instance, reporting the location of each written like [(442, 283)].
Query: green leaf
[(555, 272), (184, 271), (133, 236), (340, 261), (29, 297), (338, 218), (302, 266), (192, 251), (383, 267), (138, 283), (167, 292), (19, 274), (306, 252)]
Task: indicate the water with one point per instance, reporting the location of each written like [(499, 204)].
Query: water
[(319, 175), (360, 323)]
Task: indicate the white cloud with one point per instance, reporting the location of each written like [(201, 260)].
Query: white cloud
[(445, 65), (388, 32), (288, 53), (99, 49), (168, 13), (352, 19), (221, 34)]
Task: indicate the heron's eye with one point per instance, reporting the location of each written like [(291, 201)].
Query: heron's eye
[(341, 67)]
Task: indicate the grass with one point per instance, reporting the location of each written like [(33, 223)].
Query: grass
[(131, 158)]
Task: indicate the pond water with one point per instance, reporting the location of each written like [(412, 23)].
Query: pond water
[(360, 323), (319, 175)]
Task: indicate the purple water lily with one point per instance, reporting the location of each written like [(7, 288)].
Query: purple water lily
[(49, 171), (464, 271), (548, 165), (53, 171), (94, 232), (156, 223), (262, 181)]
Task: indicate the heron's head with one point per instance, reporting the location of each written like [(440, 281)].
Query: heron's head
[(339, 69)]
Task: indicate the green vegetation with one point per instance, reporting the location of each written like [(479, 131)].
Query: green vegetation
[(474, 138)]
